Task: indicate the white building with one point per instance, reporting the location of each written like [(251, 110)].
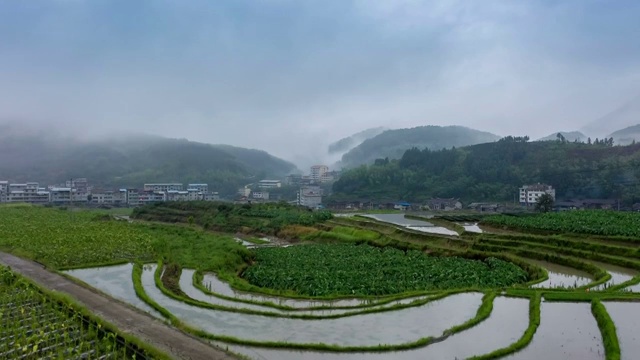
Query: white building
[(212, 196), (260, 195), (109, 197), (269, 184), (318, 172), (4, 191), (203, 188), (310, 196), (148, 197), (529, 194), (163, 187), (28, 193), (133, 197), (174, 195)]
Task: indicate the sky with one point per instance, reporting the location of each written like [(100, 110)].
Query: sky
[(292, 76)]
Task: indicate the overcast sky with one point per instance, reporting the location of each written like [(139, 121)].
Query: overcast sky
[(291, 76)]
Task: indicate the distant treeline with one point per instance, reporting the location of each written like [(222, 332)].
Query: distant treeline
[(495, 171)]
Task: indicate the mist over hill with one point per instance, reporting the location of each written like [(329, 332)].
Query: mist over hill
[(568, 135), (627, 135), (393, 143), (28, 154)]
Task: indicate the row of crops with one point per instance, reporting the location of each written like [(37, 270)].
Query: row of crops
[(34, 327), (350, 269), (596, 222)]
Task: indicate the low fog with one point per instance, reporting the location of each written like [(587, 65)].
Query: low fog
[(291, 77)]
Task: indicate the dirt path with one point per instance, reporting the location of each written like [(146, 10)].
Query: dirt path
[(144, 327)]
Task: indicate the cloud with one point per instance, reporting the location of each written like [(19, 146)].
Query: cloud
[(292, 76)]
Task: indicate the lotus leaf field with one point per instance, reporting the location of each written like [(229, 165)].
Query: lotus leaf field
[(349, 269)]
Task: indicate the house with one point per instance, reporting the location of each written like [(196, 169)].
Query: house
[(203, 188), (484, 207), (529, 194), (4, 191), (318, 171), (269, 184), (244, 191), (175, 195), (260, 195), (28, 193), (436, 204), (567, 205), (606, 204), (402, 205), (148, 197), (133, 197), (211, 196), (310, 196), (164, 187)]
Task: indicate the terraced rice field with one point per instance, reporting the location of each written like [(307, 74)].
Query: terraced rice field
[(575, 299)]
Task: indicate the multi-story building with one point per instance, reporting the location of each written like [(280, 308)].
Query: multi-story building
[(4, 191), (133, 197), (148, 197), (529, 194), (203, 188), (80, 184), (164, 187), (28, 193), (269, 184), (195, 195), (318, 171), (310, 196), (109, 197), (260, 195), (211, 196), (174, 195)]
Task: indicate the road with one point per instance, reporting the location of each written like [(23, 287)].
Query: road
[(128, 320)]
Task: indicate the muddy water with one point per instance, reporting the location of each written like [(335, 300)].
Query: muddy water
[(633, 288), (626, 316), (186, 285), (567, 331), (506, 325), (115, 281), (398, 219), (220, 287), (561, 276), (618, 274), (399, 326)]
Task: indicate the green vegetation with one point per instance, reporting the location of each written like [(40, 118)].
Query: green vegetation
[(607, 329), (534, 322), (65, 238), (349, 269), (392, 144), (494, 172), (130, 161), (257, 218), (37, 325), (596, 222)]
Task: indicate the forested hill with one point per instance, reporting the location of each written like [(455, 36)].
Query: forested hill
[(393, 143), (132, 161), (494, 171)]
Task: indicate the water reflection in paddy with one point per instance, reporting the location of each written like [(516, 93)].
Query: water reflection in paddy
[(507, 323)]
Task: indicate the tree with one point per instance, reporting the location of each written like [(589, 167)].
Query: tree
[(544, 203)]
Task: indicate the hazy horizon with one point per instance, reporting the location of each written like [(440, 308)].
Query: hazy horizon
[(291, 77)]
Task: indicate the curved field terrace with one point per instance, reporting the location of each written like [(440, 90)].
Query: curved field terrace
[(357, 288)]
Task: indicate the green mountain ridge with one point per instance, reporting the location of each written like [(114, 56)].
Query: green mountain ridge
[(130, 161), (495, 171), (393, 143), (568, 135), (345, 144), (627, 135)]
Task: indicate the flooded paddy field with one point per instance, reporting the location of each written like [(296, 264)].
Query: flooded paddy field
[(398, 219), (626, 316), (619, 275), (567, 331), (561, 276), (506, 324)]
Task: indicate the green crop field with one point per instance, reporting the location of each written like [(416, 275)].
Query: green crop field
[(349, 269), (596, 222)]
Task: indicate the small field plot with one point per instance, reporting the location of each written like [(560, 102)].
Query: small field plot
[(561, 276), (626, 316), (349, 269), (567, 331), (507, 323), (35, 327)]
